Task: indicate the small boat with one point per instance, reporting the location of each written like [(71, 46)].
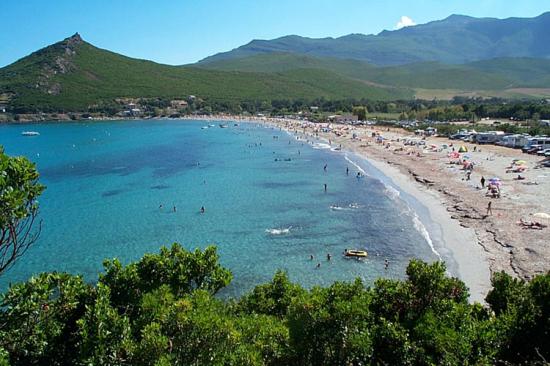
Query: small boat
[(211, 125), (223, 126), (236, 124), (204, 127), (30, 133), (356, 253)]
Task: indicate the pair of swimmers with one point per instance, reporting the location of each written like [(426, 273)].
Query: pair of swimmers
[(174, 209)]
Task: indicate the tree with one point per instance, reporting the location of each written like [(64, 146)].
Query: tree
[(19, 191), (360, 112)]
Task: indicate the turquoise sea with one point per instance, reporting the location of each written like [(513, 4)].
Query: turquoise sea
[(263, 191)]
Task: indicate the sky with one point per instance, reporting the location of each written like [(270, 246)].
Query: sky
[(179, 32)]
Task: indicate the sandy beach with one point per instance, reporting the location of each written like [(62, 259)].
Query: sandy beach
[(480, 242)]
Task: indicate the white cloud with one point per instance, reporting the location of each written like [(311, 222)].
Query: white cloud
[(405, 21)]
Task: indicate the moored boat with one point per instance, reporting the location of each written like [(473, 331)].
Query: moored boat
[(30, 133)]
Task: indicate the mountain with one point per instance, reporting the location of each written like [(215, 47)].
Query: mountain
[(73, 75), (456, 39)]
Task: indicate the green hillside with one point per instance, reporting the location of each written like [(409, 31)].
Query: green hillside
[(73, 75), (497, 74)]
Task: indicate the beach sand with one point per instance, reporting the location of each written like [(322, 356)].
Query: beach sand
[(480, 244)]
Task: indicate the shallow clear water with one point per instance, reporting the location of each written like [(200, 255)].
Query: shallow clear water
[(106, 180)]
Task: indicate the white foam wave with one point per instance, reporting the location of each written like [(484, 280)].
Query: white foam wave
[(391, 192), (419, 226), (321, 146), (355, 165), (275, 231)]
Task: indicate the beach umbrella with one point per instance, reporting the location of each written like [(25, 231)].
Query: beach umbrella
[(520, 162), (463, 149), (495, 182)]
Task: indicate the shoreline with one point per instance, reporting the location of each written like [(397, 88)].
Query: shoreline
[(446, 236), (467, 262), (501, 242)]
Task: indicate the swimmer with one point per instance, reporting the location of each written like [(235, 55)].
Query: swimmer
[(160, 206), (318, 265), (325, 168), (311, 257), (202, 209), (325, 187), (347, 171), (175, 209), (328, 256)]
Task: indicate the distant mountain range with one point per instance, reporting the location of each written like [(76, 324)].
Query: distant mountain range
[(456, 39), (455, 56)]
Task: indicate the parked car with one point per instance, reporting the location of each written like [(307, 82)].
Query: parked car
[(534, 149), (543, 152)]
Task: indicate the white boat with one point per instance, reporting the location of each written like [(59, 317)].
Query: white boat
[(211, 125), (30, 133), (223, 126), (205, 127)]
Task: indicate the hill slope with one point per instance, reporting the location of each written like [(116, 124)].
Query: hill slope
[(456, 39), (481, 75), (73, 75)]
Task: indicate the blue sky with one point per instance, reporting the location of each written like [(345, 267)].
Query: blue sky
[(182, 31)]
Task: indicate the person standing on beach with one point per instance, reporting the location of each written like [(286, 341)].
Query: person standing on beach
[(347, 171), (482, 182), (489, 209)]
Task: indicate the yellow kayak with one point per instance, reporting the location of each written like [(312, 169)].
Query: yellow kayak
[(356, 253)]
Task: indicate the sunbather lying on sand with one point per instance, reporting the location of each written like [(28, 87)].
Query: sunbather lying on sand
[(531, 224)]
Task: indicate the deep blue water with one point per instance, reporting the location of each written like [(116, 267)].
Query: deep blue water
[(106, 180)]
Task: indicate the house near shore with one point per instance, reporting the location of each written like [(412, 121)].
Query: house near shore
[(178, 103), (343, 118)]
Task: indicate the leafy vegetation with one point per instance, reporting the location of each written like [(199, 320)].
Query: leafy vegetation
[(162, 310), (19, 191)]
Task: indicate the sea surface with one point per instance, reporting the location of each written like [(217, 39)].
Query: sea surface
[(112, 188)]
